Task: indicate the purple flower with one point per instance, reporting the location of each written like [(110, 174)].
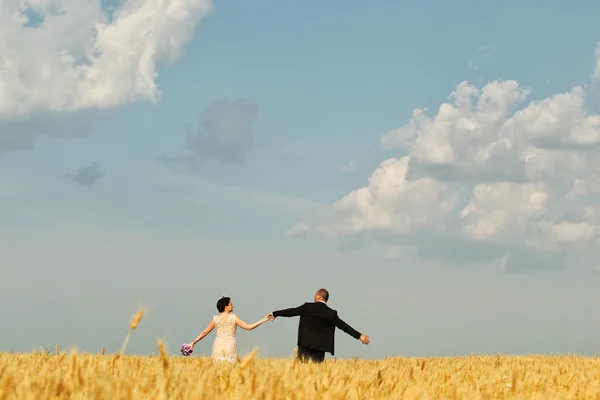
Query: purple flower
[(186, 349)]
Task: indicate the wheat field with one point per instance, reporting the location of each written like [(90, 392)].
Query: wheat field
[(40, 375), (58, 375)]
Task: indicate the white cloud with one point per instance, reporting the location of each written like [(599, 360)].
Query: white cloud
[(462, 134), (78, 58), (486, 168), (392, 202), (502, 210), (568, 232), (301, 229)]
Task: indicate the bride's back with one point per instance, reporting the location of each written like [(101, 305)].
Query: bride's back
[(225, 325)]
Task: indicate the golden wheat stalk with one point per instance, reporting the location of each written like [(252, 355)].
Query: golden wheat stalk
[(249, 358), (134, 323), (163, 356)]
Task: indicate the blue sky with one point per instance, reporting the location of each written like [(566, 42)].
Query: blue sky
[(328, 82)]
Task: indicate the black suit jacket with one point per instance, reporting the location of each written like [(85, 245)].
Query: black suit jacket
[(316, 329)]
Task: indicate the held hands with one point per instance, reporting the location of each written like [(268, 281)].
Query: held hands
[(268, 318)]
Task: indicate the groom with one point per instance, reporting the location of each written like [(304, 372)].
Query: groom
[(316, 330)]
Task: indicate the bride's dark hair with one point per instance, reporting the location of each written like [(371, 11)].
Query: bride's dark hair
[(222, 303)]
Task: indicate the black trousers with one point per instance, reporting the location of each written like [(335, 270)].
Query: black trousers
[(306, 354)]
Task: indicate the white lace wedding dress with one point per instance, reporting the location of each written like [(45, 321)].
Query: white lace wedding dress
[(225, 347)]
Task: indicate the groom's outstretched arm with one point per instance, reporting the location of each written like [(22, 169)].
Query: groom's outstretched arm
[(290, 312), (339, 323)]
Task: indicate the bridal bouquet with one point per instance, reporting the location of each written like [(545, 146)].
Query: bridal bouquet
[(186, 349)]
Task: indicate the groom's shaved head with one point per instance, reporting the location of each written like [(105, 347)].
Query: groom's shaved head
[(323, 294)]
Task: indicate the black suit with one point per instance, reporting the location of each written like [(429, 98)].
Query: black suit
[(316, 329)]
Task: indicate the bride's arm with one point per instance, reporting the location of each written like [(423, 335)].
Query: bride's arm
[(249, 327), (205, 332)]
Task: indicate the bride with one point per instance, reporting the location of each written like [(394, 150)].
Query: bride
[(224, 347)]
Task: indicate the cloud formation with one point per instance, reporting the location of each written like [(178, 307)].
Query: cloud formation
[(301, 229), (59, 58), (20, 133), (79, 58), (486, 171), (87, 176), (224, 132)]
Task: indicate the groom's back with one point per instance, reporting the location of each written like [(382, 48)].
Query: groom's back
[(316, 328), (319, 314)]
